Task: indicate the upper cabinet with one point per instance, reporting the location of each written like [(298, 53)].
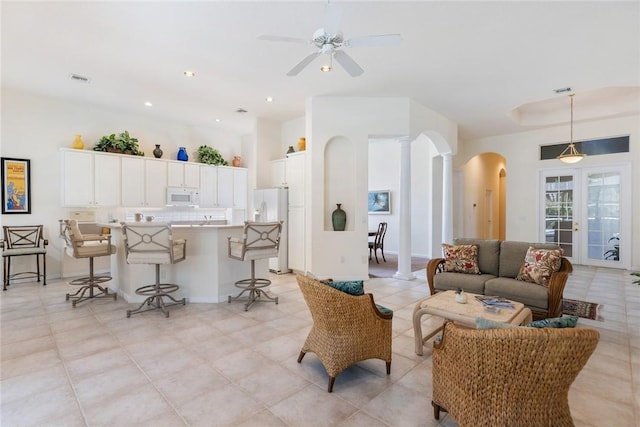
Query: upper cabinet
[(183, 174), (232, 187), (295, 174), (89, 178), (144, 182), (279, 173), (208, 186)]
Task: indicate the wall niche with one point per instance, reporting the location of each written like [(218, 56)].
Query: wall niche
[(339, 180)]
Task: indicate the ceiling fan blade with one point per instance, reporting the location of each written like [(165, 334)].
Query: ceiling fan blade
[(332, 17), (348, 63), (282, 39), (300, 66), (378, 40)]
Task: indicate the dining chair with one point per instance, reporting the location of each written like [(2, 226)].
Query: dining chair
[(378, 242)]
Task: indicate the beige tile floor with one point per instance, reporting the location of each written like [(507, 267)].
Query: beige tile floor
[(214, 364)]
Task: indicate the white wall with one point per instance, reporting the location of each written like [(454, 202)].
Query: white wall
[(522, 151), (344, 255), (35, 127)]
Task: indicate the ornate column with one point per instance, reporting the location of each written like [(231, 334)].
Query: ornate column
[(404, 243), (447, 198)]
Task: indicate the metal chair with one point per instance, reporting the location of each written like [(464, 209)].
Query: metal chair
[(260, 240), (153, 243), (24, 241), (79, 246), (378, 242)]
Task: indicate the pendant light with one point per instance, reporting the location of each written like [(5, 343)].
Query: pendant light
[(571, 154)]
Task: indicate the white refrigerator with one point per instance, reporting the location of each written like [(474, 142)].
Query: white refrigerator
[(272, 204)]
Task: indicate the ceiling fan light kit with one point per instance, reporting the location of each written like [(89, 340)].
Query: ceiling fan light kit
[(571, 154), (330, 41)]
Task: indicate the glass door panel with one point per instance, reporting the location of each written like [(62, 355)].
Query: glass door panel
[(604, 225), (558, 211)]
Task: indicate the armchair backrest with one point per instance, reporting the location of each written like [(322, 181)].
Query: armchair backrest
[(22, 237), (149, 243), (492, 377), (345, 311)]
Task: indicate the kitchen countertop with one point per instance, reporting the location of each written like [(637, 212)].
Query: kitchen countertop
[(182, 224)]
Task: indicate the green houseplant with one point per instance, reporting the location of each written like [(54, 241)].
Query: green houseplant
[(121, 143), (211, 156)]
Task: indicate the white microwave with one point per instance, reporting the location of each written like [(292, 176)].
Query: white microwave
[(183, 196)]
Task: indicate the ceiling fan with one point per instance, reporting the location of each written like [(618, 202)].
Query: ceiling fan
[(329, 41)]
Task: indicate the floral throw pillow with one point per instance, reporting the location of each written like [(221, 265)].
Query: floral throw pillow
[(461, 258), (539, 264)]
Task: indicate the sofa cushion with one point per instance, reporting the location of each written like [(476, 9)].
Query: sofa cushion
[(483, 323), (512, 256), (556, 322), (488, 253), (530, 294), (461, 258), (352, 287), (473, 283), (539, 265)]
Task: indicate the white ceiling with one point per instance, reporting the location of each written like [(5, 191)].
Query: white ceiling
[(473, 62)]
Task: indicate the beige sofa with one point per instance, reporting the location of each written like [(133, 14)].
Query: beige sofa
[(499, 263)]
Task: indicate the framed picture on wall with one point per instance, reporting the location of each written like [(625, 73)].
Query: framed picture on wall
[(16, 186), (379, 202)]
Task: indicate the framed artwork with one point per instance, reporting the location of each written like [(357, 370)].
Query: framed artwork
[(379, 202), (16, 186)]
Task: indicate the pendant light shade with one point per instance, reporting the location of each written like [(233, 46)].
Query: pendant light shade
[(571, 154)]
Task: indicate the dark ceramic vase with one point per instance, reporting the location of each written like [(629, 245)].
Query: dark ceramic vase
[(182, 154), (157, 152), (339, 219)]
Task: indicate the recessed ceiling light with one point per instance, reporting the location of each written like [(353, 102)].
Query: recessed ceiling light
[(218, 120), (148, 104), (268, 99), (241, 110), (189, 73)]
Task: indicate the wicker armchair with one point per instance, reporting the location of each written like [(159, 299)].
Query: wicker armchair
[(346, 328), (508, 377)]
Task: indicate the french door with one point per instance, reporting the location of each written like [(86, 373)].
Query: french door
[(587, 211)]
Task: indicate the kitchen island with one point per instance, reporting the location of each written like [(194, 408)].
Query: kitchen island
[(207, 274)]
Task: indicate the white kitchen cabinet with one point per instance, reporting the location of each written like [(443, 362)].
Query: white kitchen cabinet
[(239, 188), (144, 182), (89, 179), (106, 180), (295, 173), (208, 186), (278, 173), (232, 187), (183, 174), (225, 187), (296, 239)]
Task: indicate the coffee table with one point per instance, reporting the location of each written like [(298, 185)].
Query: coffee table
[(443, 304)]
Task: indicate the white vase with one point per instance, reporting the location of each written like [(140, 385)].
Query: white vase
[(461, 298)]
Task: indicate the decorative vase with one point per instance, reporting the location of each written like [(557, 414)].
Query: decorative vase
[(182, 154), (339, 218), (157, 152), (236, 161), (77, 143), (291, 150), (461, 297), (302, 143)]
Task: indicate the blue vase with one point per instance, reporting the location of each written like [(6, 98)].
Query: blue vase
[(182, 154)]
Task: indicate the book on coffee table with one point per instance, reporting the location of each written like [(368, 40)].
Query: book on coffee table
[(494, 301)]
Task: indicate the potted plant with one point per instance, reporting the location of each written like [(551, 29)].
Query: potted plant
[(211, 156), (122, 143)]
